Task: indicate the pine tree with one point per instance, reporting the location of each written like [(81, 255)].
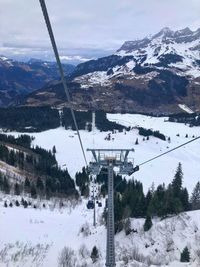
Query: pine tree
[(185, 255), (33, 191), (148, 223), (5, 204), (6, 186), (1, 181), (25, 204), (27, 185), (17, 203), (148, 200), (184, 198), (177, 182), (195, 198), (94, 254), (17, 189), (54, 150), (40, 184), (136, 142), (127, 226)]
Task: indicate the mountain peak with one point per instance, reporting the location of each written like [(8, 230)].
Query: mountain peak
[(166, 30), (184, 32)]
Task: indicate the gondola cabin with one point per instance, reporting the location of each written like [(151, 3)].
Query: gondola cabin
[(99, 204), (90, 204)]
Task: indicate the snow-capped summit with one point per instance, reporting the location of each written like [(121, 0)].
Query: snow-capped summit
[(184, 44), (154, 74)]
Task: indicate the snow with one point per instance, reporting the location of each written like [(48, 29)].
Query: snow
[(158, 47), (159, 171), (131, 64), (3, 58), (52, 228), (35, 237), (186, 108), (94, 78)]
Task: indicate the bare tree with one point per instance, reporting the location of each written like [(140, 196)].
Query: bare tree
[(67, 258), (84, 252)]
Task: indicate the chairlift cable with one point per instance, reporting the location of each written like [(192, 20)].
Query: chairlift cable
[(54, 46), (175, 148)]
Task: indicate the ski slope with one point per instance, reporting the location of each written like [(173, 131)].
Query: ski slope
[(159, 171), (35, 237)]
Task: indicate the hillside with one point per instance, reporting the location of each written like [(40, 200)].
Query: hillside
[(18, 79), (42, 234), (159, 171), (48, 225), (153, 75)]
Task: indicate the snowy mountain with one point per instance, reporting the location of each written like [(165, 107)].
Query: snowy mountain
[(154, 74), (17, 79)]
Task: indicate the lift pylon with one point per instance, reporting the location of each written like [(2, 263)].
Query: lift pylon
[(110, 158)]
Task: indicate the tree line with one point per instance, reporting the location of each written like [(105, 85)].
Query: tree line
[(46, 179), (29, 119), (131, 201)]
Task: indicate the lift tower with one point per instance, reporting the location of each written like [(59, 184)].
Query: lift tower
[(110, 158)]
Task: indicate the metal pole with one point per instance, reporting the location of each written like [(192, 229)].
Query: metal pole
[(110, 249), (94, 215)]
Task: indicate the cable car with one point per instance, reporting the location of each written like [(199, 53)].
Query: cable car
[(90, 204), (99, 204)]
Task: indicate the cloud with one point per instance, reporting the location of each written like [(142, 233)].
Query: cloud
[(100, 25), (74, 58)]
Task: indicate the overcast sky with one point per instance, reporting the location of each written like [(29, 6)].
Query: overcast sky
[(88, 28)]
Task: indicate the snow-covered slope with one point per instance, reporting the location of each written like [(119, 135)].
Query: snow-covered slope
[(159, 171), (35, 237)]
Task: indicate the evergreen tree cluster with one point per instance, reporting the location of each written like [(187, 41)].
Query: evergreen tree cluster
[(130, 200), (4, 184), (22, 140), (104, 125), (191, 119), (29, 119), (149, 132), (51, 181), (82, 181), (83, 118), (84, 121)]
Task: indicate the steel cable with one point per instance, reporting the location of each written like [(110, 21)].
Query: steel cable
[(53, 42)]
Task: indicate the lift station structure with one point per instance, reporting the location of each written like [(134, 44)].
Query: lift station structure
[(109, 159)]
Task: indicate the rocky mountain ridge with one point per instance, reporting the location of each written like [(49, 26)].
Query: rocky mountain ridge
[(157, 75)]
